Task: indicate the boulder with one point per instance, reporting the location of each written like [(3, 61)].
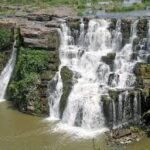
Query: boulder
[(112, 25), (39, 17), (142, 28), (66, 76), (117, 134), (109, 58), (125, 30)]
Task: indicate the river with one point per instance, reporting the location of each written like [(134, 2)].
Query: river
[(19, 131)]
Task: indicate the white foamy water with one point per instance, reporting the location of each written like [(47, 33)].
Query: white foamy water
[(6, 73)]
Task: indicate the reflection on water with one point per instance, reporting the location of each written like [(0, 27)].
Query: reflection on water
[(23, 132)]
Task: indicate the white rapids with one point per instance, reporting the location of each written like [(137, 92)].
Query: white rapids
[(84, 110)]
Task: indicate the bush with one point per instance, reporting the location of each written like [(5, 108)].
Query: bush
[(23, 88), (5, 38)]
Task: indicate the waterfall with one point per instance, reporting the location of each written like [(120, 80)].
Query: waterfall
[(94, 78), (6, 73), (123, 65)]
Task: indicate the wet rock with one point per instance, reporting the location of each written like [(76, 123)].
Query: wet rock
[(74, 23), (142, 28), (113, 77), (86, 22), (125, 30), (114, 94), (79, 117), (112, 25), (136, 46), (66, 76), (108, 110), (109, 59)]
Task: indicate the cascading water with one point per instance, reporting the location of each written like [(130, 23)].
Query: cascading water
[(6, 73), (94, 78)]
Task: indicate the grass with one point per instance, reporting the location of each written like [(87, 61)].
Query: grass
[(78, 5)]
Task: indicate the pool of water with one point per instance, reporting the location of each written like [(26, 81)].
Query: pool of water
[(24, 132)]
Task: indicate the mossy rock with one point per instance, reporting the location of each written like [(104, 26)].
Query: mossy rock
[(112, 25), (74, 24), (6, 38), (146, 117), (47, 75), (142, 28), (66, 75), (114, 94), (53, 57), (109, 58), (142, 72), (146, 92), (53, 40), (105, 99)]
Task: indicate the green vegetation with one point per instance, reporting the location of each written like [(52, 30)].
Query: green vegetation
[(5, 38), (66, 75), (23, 89), (78, 5)]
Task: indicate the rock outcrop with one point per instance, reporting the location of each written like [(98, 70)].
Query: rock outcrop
[(66, 75)]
